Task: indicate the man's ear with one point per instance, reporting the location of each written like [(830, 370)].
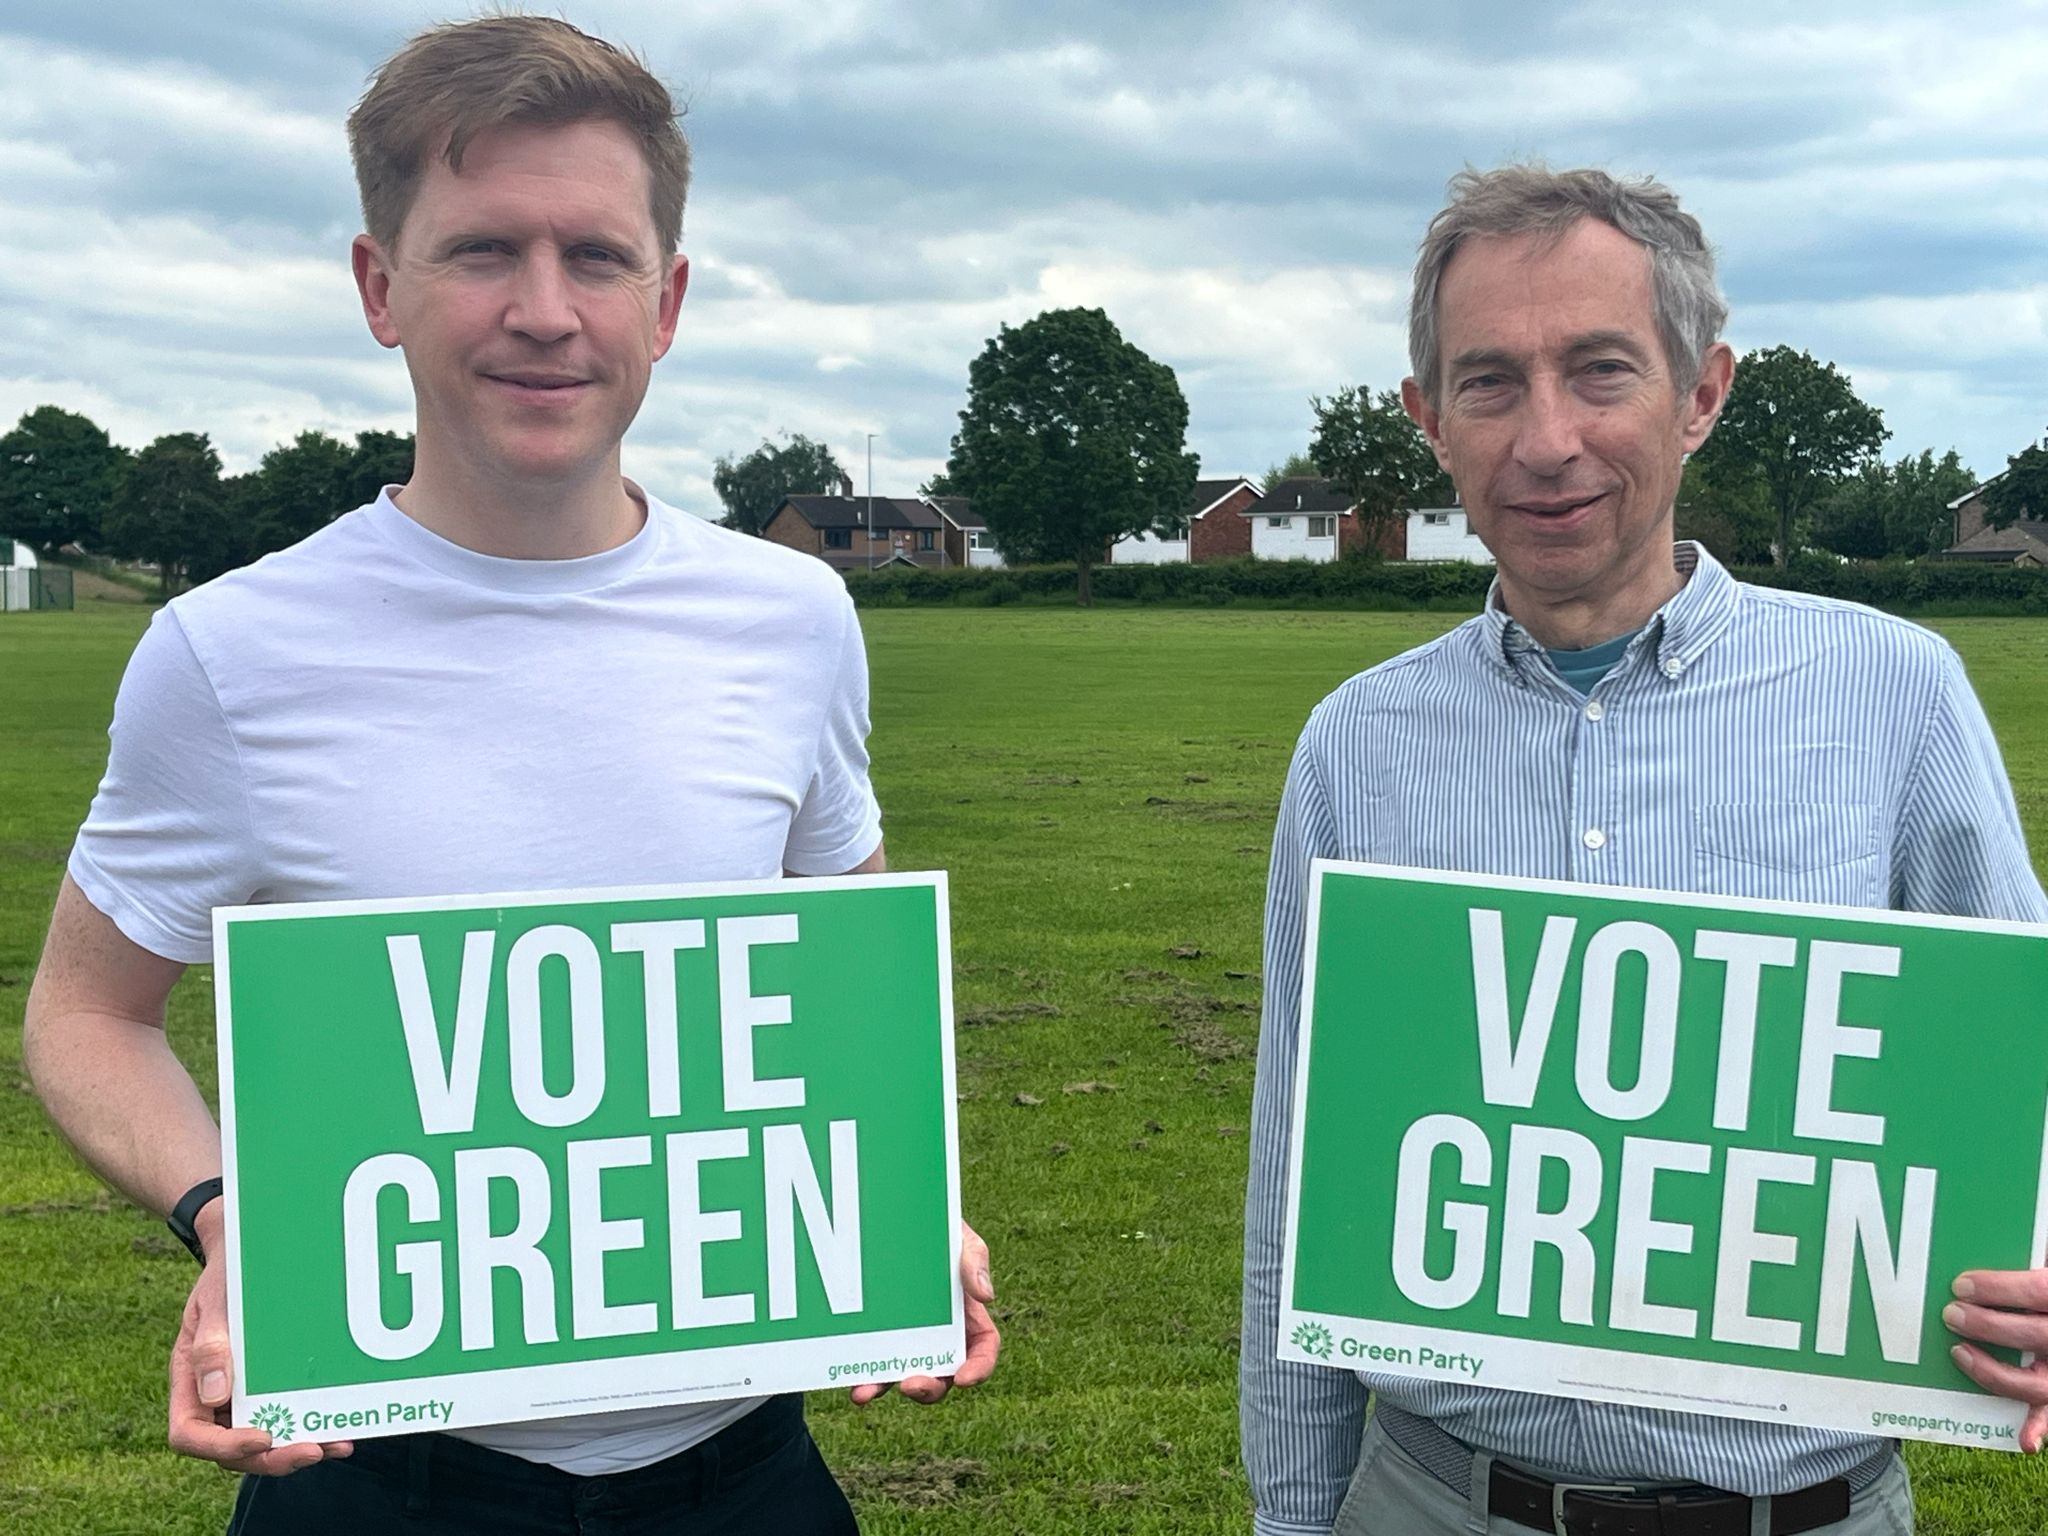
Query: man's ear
[(1703, 406), (1426, 416), (669, 304), (373, 283)]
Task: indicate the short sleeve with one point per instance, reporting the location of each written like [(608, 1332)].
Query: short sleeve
[(169, 835), (839, 823)]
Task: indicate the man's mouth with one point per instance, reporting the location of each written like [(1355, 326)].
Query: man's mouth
[(538, 383), (1555, 508)]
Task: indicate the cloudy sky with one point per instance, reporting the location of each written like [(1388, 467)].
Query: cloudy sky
[(881, 183)]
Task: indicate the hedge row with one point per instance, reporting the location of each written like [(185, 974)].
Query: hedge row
[(1898, 585)]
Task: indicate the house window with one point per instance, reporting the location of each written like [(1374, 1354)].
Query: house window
[(925, 537), (978, 538), (1278, 522), (1322, 527), (1177, 529), (1437, 519), (839, 538)]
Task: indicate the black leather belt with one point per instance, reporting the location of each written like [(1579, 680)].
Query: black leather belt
[(1595, 1509)]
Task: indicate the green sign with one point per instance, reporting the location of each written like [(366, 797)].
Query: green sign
[(492, 1158), (1681, 1151)]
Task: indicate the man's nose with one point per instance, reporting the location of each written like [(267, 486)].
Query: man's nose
[(1548, 439), (542, 303)]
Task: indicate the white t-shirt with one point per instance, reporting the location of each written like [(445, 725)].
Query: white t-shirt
[(376, 712)]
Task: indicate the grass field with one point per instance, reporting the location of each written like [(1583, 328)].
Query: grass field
[(1102, 787)]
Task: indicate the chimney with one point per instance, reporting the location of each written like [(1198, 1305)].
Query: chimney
[(846, 485)]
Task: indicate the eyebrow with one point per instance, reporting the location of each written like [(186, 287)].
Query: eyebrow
[(1589, 341)]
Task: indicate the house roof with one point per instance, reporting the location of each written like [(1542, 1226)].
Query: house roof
[(957, 511), (1209, 494), (1299, 493), (889, 512), (2001, 546)]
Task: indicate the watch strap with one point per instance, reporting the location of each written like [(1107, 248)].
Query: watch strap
[(186, 1212)]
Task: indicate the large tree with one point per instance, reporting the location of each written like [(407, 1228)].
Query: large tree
[(753, 486), (377, 460), (306, 484), (1796, 426), (1733, 518), (1295, 464), (2022, 490), (168, 505), (58, 474), (1892, 510), (1367, 447), (1072, 438)]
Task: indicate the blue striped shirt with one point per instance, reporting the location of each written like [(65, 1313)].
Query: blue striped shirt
[(1748, 743)]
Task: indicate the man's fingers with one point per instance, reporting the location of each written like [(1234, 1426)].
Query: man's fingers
[(2018, 1290), (868, 1392), (2016, 1330), (2035, 1430), (2021, 1383), (974, 1265), (984, 1343), (923, 1389)]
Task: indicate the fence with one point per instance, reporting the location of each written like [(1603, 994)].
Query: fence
[(34, 586)]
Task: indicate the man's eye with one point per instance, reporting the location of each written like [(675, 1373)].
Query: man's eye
[(479, 248), (1607, 368), (597, 254), (1480, 382)]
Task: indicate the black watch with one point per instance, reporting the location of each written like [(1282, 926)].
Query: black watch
[(187, 1210)]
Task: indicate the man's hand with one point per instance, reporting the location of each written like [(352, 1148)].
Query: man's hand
[(200, 1377), (983, 1341), (2009, 1307)]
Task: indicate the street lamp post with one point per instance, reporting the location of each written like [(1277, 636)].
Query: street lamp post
[(871, 501)]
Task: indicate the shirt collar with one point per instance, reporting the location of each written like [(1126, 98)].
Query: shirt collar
[(1680, 631)]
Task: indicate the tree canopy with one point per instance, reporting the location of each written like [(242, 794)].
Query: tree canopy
[(169, 504), (58, 475), (1369, 448), (1900, 510), (753, 486), (1071, 439), (1796, 426), (2022, 491)]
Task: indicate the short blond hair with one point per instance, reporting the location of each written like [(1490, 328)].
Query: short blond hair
[(452, 82)]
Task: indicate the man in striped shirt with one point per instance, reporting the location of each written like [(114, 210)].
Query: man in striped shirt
[(1623, 712)]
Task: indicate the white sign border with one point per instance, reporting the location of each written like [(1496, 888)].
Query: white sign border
[(1830, 1400), (777, 1369)]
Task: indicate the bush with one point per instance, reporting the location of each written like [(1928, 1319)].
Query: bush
[(1901, 586)]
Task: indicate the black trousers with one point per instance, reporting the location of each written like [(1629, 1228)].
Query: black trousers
[(761, 1476)]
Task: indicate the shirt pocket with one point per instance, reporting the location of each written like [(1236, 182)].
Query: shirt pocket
[(1791, 851)]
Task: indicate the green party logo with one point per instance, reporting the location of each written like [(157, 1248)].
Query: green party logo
[(1313, 1339), (276, 1419)]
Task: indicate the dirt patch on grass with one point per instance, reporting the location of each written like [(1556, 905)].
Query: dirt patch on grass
[(920, 1483), (97, 1205), (1205, 810), (1006, 1013)]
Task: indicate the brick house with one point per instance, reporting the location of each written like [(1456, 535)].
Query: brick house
[(854, 532), (1208, 530), (1304, 517), (2022, 543)]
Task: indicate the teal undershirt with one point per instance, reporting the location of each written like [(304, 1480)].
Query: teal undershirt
[(1584, 669)]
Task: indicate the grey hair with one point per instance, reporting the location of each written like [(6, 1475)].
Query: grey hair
[(1533, 199)]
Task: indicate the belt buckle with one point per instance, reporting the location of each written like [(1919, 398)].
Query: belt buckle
[(1559, 1490)]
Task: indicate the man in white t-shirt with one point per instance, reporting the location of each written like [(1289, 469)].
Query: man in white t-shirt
[(517, 670)]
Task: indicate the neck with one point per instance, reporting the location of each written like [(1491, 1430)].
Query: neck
[(1578, 621), (522, 519)]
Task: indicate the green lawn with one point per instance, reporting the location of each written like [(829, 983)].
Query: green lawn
[(1102, 786)]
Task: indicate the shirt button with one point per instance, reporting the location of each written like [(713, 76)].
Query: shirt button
[(1673, 667), (1595, 838), (1594, 710)]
